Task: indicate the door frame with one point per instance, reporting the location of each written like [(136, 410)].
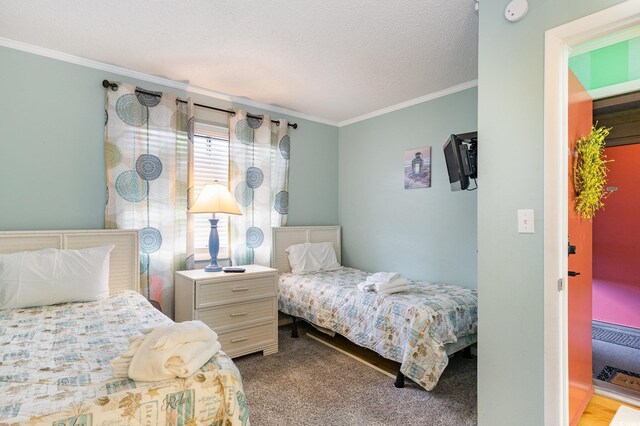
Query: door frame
[(559, 41)]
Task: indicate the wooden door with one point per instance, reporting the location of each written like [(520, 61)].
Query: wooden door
[(579, 287)]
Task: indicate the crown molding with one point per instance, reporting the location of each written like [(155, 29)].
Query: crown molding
[(190, 88), (416, 101)]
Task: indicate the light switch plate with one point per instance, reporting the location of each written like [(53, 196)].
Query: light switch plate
[(525, 221)]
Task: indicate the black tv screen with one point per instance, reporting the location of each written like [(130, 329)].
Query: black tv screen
[(461, 155)]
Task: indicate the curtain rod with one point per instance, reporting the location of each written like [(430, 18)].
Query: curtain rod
[(114, 87)]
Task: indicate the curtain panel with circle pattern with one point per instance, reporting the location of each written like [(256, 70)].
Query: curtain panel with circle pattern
[(148, 145), (259, 181)]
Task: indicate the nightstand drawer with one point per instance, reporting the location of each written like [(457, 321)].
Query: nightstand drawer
[(220, 293), (223, 318), (241, 342), (242, 308)]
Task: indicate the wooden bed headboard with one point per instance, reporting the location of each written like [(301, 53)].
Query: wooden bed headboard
[(124, 261), (285, 236)]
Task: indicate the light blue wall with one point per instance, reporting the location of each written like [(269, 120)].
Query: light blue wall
[(510, 265), (424, 233), (52, 167)]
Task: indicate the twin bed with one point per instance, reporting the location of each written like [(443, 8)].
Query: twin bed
[(55, 360), (418, 328)]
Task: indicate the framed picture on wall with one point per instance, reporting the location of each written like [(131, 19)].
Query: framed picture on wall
[(417, 168)]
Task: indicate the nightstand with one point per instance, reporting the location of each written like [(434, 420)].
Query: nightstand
[(240, 307)]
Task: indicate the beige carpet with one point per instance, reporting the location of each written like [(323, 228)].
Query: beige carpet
[(308, 383)]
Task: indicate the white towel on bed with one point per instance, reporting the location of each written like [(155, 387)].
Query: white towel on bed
[(381, 287), (396, 289), (383, 277), (120, 365), (183, 332), (166, 352), (365, 286), (191, 357)]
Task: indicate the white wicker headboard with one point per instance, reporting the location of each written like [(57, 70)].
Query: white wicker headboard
[(124, 262), (283, 237)]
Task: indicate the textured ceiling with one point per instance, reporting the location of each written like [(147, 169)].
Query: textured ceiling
[(332, 59)]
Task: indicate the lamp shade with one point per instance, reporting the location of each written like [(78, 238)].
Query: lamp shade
[(215, 198)]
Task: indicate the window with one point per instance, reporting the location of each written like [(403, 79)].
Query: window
[(210, 162)]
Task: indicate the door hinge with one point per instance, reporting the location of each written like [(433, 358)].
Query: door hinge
[(560, 284)]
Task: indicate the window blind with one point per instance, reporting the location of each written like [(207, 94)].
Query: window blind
[(210, 162)]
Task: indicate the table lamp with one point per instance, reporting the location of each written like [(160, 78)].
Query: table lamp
[(214, 198)]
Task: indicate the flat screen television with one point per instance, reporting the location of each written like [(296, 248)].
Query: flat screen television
[(461, 156)]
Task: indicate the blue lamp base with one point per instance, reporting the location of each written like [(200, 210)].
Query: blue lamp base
[(214, 247)]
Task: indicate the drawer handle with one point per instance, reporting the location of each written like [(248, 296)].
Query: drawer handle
[(239, 339), (240, 289), (239, 314)]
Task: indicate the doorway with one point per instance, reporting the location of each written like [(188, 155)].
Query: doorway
[(612, 23), (609, 354), (616, 248)]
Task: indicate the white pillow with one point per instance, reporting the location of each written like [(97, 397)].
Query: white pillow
[(50, 276), (308, 258)]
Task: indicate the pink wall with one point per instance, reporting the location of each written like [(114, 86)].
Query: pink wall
[(616, 242)]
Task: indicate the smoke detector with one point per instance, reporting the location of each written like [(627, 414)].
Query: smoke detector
[(516, 10)]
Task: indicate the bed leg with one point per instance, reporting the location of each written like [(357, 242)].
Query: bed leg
[(466, 352), (399, 383), (294, 331)]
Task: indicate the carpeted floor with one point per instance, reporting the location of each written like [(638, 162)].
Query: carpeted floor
[(611, 333), (606, 353), (308, 383)]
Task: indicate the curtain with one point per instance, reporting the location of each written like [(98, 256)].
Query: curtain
[(148, 138), (259, 181)]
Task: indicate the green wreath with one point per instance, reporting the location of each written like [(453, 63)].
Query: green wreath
[(590, 172)]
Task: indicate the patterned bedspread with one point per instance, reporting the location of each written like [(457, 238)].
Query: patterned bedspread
[(411, 327), (55, 370)]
